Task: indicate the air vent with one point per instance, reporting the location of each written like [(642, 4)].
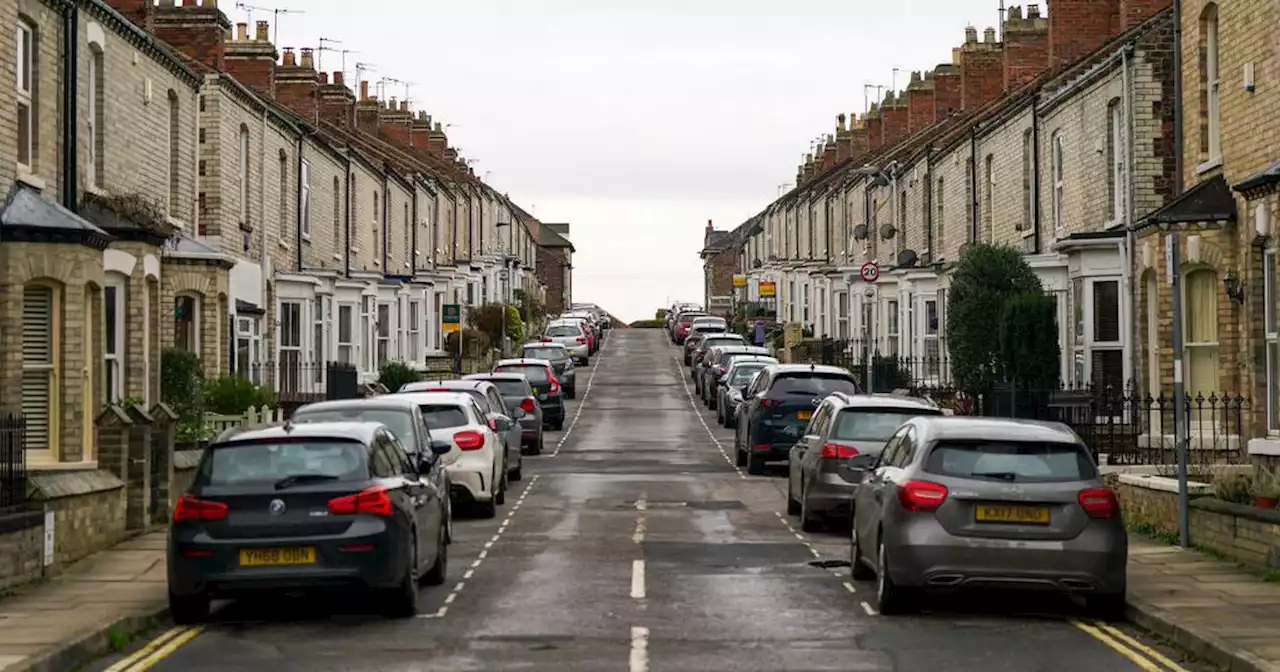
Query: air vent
[(907, 258), (1019, 227), (887, 232), (860, 232)]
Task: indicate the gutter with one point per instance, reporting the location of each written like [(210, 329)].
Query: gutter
[(974, 208), (70, 88), (1178, 159), (383, 227)]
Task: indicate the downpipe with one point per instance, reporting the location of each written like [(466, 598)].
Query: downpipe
[(70, 87)]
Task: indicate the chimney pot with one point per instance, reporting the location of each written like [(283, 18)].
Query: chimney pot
[(323, 77), (989, 36), (364, 90), (392, 105), (970, 35), (955, 56), (439, 128), (338, 77), (263, 32), (404, 106), (1033, 11), (709, 226), (290, 61), (1015, 13), (840, 123), (242, 32), (308, 59)]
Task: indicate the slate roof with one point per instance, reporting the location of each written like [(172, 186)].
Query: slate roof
[(29, 216)]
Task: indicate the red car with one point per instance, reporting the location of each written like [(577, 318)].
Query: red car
[(683, 321)]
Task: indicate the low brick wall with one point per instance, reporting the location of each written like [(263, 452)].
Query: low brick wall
[(21, 547), (88, 509), (1246, 534)]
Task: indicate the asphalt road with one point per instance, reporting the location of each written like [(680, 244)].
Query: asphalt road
[(637, 545)]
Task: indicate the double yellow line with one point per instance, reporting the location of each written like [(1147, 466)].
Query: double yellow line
[(1145, 657), (156, 650)]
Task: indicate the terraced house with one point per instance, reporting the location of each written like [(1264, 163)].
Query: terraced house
[(185, 185)]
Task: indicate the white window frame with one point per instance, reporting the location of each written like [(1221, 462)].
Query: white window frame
[(1271, 330), (929, 336), (1058, 153), (243, 175), (366, 333), (197, 321), (1119, 191), (415, 330), (1198, 425), (304, 185), (24, 74), (249, 342), (283, 215), (382, 335), (348, 349), (95, 130), (409, 252), (289, 379), (1213, 73), (317, 340), (891, 327), (114, 362), (842, 316), (377, 228), (1086, 345)]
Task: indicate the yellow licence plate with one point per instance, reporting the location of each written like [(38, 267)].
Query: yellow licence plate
[(274, 557), (1004, 513), (804, 415)]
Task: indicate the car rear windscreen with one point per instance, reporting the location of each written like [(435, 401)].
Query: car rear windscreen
[(511, 388), (400, 422), (535, 374), (563, 330), (719, 340), (443, 416), (817, 384), (873, 424), (1011, 461), (710, 328), (269, 462), (543, 352), (742, 374)]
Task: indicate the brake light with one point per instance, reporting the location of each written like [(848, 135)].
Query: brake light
[(190, 508), (762, 447), (921, 496), (770, 403), (581, 340), (469, 440), (837, 452), (720, 370), (555, 384), (1099, 503), (371, 501), (546, 339), (528, 405), (493, 424)]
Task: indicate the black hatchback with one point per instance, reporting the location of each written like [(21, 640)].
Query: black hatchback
[(778, 406), (308, 506)]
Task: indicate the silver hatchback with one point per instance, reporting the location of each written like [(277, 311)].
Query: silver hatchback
[(973, 503)]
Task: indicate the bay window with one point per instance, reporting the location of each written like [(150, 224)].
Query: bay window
[(1272, 332), (290, 340)]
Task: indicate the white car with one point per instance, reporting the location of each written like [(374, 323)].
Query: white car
[(475, 462), (572, 334)]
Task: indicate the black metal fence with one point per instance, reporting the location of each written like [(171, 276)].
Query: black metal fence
[(296, 381), (13, 464)]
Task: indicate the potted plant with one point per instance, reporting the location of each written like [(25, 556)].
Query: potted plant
[(1266, 489)]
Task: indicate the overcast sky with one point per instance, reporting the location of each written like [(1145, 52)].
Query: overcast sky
[(635, 121)]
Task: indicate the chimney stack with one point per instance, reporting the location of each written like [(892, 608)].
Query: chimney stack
[(920, 107), (262, 32), (1026, 47), (337, 103), (200, 32), (1134, 12), (298, 86), (710, 228), (251, 61), (437, 141), (844, 139), (242, 32), (875, 128), (981, 72), (308, 59), (1078, 27), (364, 90), (896, 118), (948, 96)]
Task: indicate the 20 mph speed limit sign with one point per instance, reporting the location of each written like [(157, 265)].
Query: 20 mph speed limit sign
[(870, 272)]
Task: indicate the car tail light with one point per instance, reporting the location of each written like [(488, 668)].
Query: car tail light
[(770, 403), (469, 440), (371, 501), (546, 339), (720, 370), (762, 447), (1099, 503), (528, 405), (493, 424), (837, 452), (581, 340), (190, 508), (555, 384), (921, 495)]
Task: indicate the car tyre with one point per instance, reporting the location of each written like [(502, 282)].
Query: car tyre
[(793, 507), (730, 421), (517, 474), (720, 416), (489, 509), (890, 598), (402, 601), (188, 609), (740, 457), (755, 465), (537, 446), (558, 425), (571, 392), (857, 568), (500, 497), (808, 523), (711, 403), (438, 574), (1107, 606)]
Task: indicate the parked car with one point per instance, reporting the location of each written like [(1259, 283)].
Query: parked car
[(573, 335), (561, 363), (846, 434), (518, 393), (548, 390), (683, 323), (716, 364), (477, 477), (702, 327), (956, 503), (778, 406), (730, 385), (703, 348), (594, 334), (309, 506), (502, 418)]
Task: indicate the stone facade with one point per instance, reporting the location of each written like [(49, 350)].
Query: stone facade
[(21, 548)]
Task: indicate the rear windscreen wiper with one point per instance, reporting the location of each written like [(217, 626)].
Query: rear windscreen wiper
[(1001, 475), (295, 479)]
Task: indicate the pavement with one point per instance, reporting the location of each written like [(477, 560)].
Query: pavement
[(636, 544)]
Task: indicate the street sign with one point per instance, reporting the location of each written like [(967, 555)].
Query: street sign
[(451, 317), (504, 274), (870, 272), (739, 280), (768, 288)]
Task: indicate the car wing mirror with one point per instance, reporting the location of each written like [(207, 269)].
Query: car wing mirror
[(440, 446)]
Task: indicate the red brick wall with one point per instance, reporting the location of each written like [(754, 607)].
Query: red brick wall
[(896, 123), (948, 95), (1026, 47), (920, 108), (1079, 27), (337, 103), (299, 92), (722, 267), (198, 32), (981, 75), (550, 271), (858, 140), (1133, 12), (875, 131)]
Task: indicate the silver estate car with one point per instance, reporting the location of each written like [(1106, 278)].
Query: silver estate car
[(971, 503)]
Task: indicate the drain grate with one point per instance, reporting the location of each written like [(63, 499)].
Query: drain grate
[(829, 564)]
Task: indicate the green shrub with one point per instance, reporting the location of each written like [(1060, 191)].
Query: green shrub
[(1028, 352), (1234, 487), (394, 375), (648, 324), (182, 388), (515, 325), (474, 342), (659, 315), (233, 395)]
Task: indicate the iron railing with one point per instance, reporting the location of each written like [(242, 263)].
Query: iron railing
[(303, 381), (13, 461)]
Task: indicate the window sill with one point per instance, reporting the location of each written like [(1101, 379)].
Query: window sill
[(1210, 165), (337, 257), (30, 180), (306, 238), (44, 461), (1269, 446), (1029, 233), (94, 189)]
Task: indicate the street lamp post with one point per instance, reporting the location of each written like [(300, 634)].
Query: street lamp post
[(503, 282)]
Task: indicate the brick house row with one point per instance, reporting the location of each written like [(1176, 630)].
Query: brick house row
[(185, 185), (1057, 136)]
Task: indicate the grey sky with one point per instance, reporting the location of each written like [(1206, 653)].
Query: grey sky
[(636, 121)]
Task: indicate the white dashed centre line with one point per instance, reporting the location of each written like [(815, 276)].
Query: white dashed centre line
[(484, 553), (698, 414), (586, 392), (641, 525), (639, 649), (637, 579)]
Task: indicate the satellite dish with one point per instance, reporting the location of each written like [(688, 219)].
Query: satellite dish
[(887, 231), (756, 263), (860, 232), (907, 258)]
